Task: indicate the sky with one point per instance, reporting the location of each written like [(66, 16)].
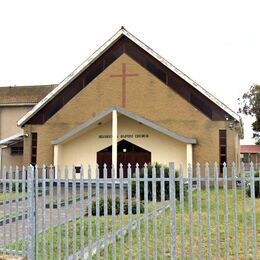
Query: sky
[(216, 43)]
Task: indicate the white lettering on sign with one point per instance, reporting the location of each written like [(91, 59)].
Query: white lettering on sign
[(127, 136)]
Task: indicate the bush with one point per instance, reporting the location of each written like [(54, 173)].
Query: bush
[(117, 207), (20, 186), (257, 188), (158, 184)]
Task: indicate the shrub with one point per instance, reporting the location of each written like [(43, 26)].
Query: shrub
[(158, 184), (117, 207), (257, 188), (20, 186)]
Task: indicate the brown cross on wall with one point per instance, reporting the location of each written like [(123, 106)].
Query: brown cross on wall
[(124, 75)]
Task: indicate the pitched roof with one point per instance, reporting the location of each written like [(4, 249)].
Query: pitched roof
[(86, 64), (122, 111), (26, 95), (250, 148)]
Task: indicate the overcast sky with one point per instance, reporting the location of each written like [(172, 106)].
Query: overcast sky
[(217, 43)]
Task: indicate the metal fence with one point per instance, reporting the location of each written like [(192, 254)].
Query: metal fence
[(156, 212)]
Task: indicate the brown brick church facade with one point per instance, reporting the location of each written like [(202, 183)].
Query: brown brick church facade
[(156, 107)]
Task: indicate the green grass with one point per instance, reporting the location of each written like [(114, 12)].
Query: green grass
[(8, 196), (167, 235), (7, 217)]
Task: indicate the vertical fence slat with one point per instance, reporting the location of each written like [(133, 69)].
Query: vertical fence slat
[(113, 213), (234, 190), (51, 210), (121, 190), (43, 212), (216, 189), (97, 214), (31, 220), (4, 205), (252, 203), (182, 220), (105, 210), (66, 195), (24, 209), (130, 243), (16, 208), (146, 212), (10, 209), (82, 213), (36, 211), (198, 173), (190, 211), (74, 234), (244, 217), (59, 213), (154, 213), (208, 211), (137, 171), (163, 209), (89, 214), (225, 183), (172, 210)]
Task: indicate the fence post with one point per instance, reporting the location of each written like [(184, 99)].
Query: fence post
[(31, 219)]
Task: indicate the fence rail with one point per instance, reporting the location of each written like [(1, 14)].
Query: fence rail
[(155, 212)]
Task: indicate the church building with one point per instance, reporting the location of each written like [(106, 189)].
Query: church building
[(127, 104)]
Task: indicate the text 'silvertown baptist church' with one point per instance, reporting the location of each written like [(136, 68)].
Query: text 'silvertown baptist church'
[(126, 104)]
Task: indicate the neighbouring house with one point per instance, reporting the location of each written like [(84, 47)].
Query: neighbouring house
[(250, 153), (15, 102), (127, 104)]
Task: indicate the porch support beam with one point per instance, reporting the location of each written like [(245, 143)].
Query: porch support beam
[(56, 156), (114, 140), (189, 154)]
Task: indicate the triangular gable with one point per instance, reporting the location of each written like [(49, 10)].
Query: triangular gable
[(125, 42), (96, 119)]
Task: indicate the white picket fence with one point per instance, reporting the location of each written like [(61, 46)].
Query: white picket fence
[(149, 214)]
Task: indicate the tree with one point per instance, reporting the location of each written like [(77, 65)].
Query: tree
[(250, 105)]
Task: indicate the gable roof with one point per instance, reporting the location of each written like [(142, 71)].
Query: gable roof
[(122, 111), (96, 55), (23, 95)]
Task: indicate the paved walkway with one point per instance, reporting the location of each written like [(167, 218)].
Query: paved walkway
[(15, 228)]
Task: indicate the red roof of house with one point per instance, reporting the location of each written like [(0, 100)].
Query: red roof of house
[(250, 148)]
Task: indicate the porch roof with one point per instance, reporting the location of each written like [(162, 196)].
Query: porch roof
[(12, 139), (105, 114)]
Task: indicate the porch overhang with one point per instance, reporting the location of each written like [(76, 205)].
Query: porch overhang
[(104, 115)]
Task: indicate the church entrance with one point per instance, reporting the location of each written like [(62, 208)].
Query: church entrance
[(126, 153)]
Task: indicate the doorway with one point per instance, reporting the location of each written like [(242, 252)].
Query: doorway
[(126, 153)]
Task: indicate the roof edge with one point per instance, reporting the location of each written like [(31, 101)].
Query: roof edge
[(10, 138)]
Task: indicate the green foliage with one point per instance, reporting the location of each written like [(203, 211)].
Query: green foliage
[(257, 188), (117, 207), (250, 105), (158, 184), (20, 187)]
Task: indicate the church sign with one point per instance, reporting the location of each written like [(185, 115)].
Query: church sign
[(125, 136)]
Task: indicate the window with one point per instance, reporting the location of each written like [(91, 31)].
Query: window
[(222, 148), (34, 149), (16, 150)]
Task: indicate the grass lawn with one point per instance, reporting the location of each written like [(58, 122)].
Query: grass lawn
[(167, 235), (8, 196)]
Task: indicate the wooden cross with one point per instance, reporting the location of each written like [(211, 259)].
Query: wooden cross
[(124, 75)]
